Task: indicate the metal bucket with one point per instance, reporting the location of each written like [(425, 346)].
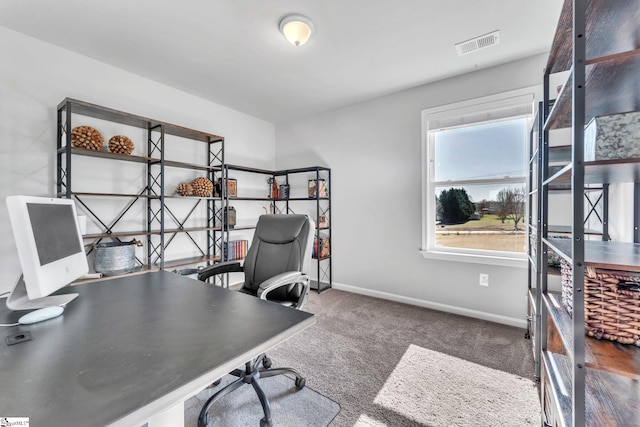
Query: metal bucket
[(112, 258)]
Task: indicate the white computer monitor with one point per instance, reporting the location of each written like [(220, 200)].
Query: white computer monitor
[(50, 250)]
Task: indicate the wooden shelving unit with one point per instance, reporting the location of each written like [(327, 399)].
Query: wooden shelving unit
[(158, 203), (586, 381)]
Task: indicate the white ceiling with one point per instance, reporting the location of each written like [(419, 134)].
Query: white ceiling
[(231, 52)]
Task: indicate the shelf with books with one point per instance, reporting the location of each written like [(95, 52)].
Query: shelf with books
[(288, 191)]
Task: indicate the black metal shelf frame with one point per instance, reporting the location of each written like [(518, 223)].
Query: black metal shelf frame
[(323, 265), (155, 191)]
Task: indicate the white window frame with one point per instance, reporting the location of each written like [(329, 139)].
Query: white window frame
[(479, 110)]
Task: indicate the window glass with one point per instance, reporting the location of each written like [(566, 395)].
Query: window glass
[(483, 151), (495, 222), (478, 187)]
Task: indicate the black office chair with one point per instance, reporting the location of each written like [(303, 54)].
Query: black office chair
[(276, 268)]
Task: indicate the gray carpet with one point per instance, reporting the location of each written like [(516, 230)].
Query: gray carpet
[(289, 408), (353, 352)]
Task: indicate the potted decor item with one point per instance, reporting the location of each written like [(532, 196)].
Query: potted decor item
[(113, 258)]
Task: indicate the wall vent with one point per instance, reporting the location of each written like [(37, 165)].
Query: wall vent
[(478, 43)]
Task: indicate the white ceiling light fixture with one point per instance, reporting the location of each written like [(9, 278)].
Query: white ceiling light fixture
[(297, 29)]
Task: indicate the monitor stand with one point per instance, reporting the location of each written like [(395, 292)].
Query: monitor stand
[(18, 299)]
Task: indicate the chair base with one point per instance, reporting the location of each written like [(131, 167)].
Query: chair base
[(250, 375)]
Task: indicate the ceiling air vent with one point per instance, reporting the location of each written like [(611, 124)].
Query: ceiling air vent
[(478, 43)]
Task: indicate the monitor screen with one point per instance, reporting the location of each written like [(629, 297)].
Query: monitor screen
[(50, 250), (50, 225)]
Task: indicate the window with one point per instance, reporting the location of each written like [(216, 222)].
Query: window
[(474, 179)]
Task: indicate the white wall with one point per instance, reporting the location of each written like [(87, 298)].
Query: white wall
[(373, 149), (35, 76)]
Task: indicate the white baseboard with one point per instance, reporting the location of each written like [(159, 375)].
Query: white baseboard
[(511, 321)]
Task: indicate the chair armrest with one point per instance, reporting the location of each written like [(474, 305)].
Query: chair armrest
[(220, 268), (285, 279)]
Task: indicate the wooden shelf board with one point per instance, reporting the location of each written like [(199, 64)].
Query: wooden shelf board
[(557, 368), (190, 230), (177, 196), (320, 286), (109, 155), (611, 399), (560, 154), (610, 89), (104, 113), (269, 199), (188, 261), (307, 198), (611, 27), (118, 234), (558, 176), (600, 355), (562, 324), (562, 229), (602, 172), (610, 255), (82, 193), (242, 227), (139, 159), (254, 199), (184, 165), (238, 168)]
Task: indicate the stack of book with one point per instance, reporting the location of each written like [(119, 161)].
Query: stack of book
[(321, 247), (236, 249)]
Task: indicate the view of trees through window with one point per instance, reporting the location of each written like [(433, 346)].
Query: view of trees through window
[(479, 186), (487, 224)]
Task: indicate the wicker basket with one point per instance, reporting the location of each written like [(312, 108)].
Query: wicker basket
[(611, 303)]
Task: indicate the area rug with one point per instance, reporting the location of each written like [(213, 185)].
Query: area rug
[(435, 389), (241, 408)]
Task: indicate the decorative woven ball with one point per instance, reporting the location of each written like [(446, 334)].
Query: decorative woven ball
[(184, 189), (121, 144), (86, 137), (202, 187)]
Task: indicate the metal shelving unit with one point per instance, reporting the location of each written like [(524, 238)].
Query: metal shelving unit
[(586, 381), (153, 195), (322, 207)]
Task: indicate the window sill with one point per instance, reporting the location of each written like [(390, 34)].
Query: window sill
[(505, 261)]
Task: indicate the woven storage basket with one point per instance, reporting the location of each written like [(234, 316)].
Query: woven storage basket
[(611, 303)]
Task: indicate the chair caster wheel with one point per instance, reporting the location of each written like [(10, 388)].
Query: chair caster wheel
[(265, 423), (300, 383), (266, 362)]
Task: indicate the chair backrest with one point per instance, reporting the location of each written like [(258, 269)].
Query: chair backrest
[(281, 243)]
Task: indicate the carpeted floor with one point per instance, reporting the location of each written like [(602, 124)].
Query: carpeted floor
[(241, 408), (357, 354)]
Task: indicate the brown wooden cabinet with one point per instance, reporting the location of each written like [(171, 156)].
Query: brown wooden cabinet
[(584, 380)]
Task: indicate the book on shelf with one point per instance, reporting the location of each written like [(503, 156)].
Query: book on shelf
[(321, 247), (236, 249)]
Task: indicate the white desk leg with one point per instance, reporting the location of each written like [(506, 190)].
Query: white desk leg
[(172, 417)]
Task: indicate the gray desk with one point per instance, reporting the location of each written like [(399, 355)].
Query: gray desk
[(129, 348)]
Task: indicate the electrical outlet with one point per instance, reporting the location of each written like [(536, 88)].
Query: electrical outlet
[(484, 279)]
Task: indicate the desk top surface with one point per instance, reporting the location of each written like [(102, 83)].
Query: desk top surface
[(129, 343)]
